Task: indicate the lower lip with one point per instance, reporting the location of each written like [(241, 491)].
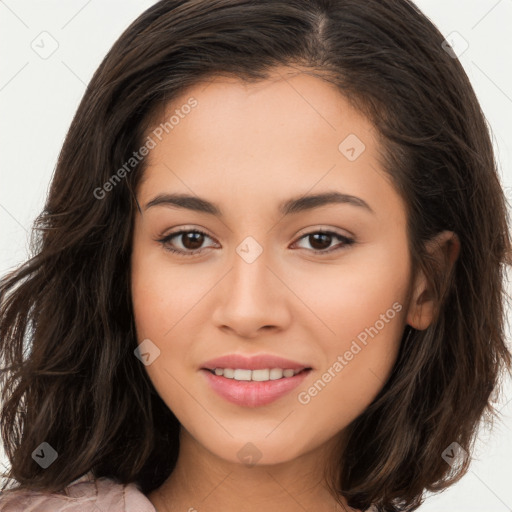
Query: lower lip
[(252, 393)]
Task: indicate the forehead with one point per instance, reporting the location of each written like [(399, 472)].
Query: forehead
[(276, 138)]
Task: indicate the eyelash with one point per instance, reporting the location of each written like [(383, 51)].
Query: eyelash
[(189, 253)]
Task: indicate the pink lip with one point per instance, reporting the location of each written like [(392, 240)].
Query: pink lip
[(252, 393), (256, 362)]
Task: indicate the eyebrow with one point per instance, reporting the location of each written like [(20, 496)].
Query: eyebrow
[(288, 207)]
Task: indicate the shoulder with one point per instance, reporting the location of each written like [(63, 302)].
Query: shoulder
[(85, 494)]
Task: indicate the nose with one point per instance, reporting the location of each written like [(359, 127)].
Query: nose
[(252, 298)]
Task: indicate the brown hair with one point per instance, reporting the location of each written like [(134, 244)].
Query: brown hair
[(67, 331)]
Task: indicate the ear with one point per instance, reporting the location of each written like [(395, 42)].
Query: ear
[(445, 248)]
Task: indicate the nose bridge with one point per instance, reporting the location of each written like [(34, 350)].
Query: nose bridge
[(250, 274), (250, 296)]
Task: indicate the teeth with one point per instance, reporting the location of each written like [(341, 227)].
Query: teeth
[(255, 375)]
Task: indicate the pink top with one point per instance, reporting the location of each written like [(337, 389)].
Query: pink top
[(85, 494)]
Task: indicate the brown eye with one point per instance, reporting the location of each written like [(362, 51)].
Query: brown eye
[(191, 242), (320, 241)]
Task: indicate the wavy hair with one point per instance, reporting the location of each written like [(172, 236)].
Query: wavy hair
[(67, 334)]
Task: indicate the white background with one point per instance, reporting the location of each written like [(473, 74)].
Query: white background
[(38, 98)]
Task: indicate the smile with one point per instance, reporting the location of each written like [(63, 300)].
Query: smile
[(253, 388)]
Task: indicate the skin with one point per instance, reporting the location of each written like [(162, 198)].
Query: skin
[(247, 147)]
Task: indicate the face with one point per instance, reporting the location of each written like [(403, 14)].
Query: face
[(323, 284)]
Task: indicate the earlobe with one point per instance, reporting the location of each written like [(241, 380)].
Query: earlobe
[(445, 248)]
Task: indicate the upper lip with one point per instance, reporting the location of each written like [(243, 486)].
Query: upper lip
[(256, 362)]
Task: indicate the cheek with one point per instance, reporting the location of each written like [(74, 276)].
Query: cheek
[(361, 305), (357, 364), (156, 314), (165, 300), (162, 294), (367, 286)]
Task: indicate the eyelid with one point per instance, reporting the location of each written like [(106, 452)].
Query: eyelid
[(315, 228)]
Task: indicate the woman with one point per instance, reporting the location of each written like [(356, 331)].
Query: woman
[(257, 367)]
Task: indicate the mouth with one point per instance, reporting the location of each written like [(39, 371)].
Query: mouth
[(253, 388), (258, 375)]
